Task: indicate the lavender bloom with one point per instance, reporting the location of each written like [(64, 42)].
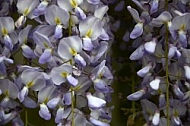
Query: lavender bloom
[(54, 17), (73, 47), (62, 74), (7, 28), (26, 9)]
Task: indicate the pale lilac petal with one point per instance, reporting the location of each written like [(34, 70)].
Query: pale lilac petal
[(87, 44), (7, 24), (8, 42), (178, 92), (137, 54), (44, 112), (23, 34), (95, 102), (187, 71), (56, 16), (27, 51), (162, 100), (20, 21), (101, 86), (59, 115), (101, 11), (172, 51), (150, 47), (183, 38), (46, 56), (72, 80), (41, 8), (142, 72), (136, 95), (58, 32), (156, 118), (104, 35), (134, 14), (53, 102), (22, 94), (67, 98), (154, 84), (154, 6), (137, 31), (28, 102), (80, 60), (80, 13)]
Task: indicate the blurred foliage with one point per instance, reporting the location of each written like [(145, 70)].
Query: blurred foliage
[(125, 113)]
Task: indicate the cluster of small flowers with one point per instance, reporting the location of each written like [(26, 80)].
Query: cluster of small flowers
[(70, 40), (162, 41)]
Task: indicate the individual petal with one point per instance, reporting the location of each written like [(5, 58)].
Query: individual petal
[(27, 51), (53, 102), (136, 95), (67, 98), (29, 103), (80, 60), (134, 14), (80, 13), (154, 84), (23, 34), (41, 40), (137, 54), (20, 21), (142, 72), (6, 25), (95, 102), (154, 6), (98, 52), (172, 51), (101, 86), (8, 42), (187, 71), (156, 118), (58, 32), (46, 56), (150, 46), (178, 92), (162, 100), (59, 115), (41, 8), (22, 94), (73, 81), (137, 31), (87, 44), (104, 35), (183, 38), (101, 11), (44, 112), (56, 16)]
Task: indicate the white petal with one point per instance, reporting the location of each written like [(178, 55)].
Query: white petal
[(155, 84)]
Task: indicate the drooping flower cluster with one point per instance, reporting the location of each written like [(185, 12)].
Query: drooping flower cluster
[(53, 57), (161, 38)]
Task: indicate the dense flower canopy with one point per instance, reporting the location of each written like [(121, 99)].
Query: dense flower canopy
[(62, 69)]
